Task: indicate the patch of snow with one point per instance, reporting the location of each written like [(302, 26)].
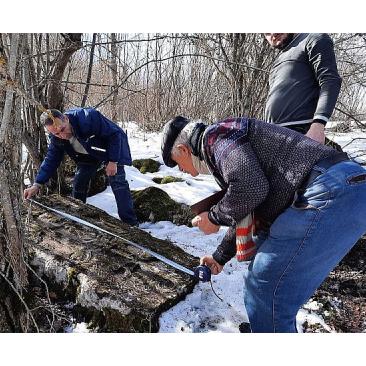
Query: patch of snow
[(88, 298), (47, 265), (77, 328)]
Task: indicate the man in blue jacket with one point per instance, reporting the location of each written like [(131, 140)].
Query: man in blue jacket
[(90, 139)]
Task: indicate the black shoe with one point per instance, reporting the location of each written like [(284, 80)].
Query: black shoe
[(245, 328)]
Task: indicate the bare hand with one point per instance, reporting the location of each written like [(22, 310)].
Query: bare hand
[(215, 267), (204, 224), (111, 169), (316, 132), (30, 192)]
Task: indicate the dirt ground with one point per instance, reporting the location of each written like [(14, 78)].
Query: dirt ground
[(342, 296)]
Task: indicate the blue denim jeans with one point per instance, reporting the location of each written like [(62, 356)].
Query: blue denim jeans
[(303, 245), (86, 171)]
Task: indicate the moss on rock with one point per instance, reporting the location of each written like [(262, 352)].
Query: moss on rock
[(153, 204), (167, 179), (146, 165)]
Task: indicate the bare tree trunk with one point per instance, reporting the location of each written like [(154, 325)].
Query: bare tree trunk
[(113, 65), (32, 134), (71, 45), (10, 91), (90, 68), (56, 98), (9, 186)]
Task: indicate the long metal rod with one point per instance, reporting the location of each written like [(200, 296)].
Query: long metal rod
[(89, 224)]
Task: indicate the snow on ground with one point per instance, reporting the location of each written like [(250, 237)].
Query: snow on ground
[(202, 311), (353, 143)]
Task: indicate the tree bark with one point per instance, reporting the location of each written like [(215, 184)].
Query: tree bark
[(113, 64), (9, 185), (10, 91), (90, 68), (55, 94), (56, 98)]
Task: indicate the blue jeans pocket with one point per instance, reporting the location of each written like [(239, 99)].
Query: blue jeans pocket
[(315, 197), (357, 179)]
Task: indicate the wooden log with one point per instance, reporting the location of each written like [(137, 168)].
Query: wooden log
[(119, 287)]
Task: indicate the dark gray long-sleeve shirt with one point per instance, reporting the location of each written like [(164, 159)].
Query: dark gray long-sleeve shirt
[(304, 82)]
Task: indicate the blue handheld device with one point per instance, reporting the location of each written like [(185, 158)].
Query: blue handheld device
[(202, 273)]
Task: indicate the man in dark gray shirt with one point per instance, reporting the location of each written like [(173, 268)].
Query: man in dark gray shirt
[(304, 82)]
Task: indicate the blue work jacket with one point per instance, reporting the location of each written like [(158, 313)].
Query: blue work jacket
[(101, 138)]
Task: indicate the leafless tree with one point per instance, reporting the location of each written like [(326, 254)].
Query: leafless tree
[(114, 73), (13, 269), (72, 42), (10, 129), (351, 58), (90, 68)]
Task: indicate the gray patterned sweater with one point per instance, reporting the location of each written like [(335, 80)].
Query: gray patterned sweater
[(261, 165)]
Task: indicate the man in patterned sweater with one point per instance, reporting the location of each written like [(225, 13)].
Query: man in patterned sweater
[(310, 199)]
